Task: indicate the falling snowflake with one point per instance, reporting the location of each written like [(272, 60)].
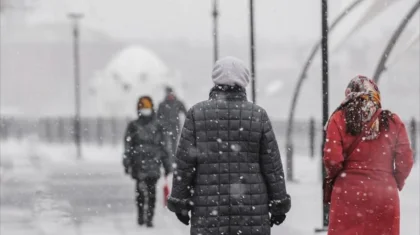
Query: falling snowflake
[(235, 147)]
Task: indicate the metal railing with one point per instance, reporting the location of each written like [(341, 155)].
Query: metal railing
[(100, 131)]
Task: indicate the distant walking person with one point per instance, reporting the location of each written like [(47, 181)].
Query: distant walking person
[(228, 169), (367, 153), (145, 153), (168, 112)]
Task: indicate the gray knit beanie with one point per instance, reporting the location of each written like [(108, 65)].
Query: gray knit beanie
[(230, 71)]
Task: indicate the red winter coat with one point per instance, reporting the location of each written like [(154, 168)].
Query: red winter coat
[(365, 197)]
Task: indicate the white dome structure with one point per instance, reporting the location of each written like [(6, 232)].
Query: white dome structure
[(133, 72)]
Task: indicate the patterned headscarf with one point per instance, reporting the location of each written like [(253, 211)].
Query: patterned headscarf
[(366, 89)]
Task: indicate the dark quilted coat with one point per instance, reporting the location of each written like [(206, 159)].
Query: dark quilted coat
[(145, 150), (169, 111), (228, 168)]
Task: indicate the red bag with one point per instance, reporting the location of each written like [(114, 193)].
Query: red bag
[(165, 193), (328, 183)]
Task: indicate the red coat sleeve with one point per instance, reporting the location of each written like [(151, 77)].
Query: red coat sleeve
[(333, 148), (403, 154)]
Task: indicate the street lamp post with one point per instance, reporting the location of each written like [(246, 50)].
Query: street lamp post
[(75, 18), (215, 14), (252, 42), (302, 77), (325, 96)]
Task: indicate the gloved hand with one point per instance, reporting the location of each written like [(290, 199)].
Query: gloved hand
[(277, 219), (184, 218)]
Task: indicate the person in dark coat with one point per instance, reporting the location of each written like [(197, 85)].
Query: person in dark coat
[(145, 153), (168, 112), (228, 168)]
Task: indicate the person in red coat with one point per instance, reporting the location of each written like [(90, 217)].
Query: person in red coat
[(365, 198)]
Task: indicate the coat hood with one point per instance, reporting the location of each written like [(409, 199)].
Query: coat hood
[(230, 71)]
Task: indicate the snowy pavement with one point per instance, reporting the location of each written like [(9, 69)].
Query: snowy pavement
[(44, 191)]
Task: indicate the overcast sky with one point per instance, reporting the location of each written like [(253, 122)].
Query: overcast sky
[(290, 23), (276, 20)]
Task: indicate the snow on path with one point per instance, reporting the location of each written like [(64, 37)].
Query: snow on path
[(55, 193)]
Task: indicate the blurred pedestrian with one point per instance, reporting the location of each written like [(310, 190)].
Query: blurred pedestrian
[(169, 112), (145, 153), (228, 169), (367, 156)]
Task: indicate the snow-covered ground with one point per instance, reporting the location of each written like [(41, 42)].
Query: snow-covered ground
[(45, 190)]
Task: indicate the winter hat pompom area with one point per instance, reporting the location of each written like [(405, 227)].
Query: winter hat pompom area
[(230, 71)]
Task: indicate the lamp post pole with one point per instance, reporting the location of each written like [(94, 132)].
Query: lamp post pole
[(215, 14), (302, 77), (75, 18), (252, 42), (325, 97)]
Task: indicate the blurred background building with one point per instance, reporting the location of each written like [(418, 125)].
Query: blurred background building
[(36, 51)]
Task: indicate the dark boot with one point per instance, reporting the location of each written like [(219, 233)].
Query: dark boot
[(140, 220), (151, 191)]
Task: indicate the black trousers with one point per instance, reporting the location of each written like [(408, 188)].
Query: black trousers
[(146, 189)]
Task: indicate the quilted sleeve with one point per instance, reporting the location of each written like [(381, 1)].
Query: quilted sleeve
[(272, 170), (184, 168)]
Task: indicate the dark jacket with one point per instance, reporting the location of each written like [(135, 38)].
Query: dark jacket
[(145, 151), (169, 111), (228, 168)]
